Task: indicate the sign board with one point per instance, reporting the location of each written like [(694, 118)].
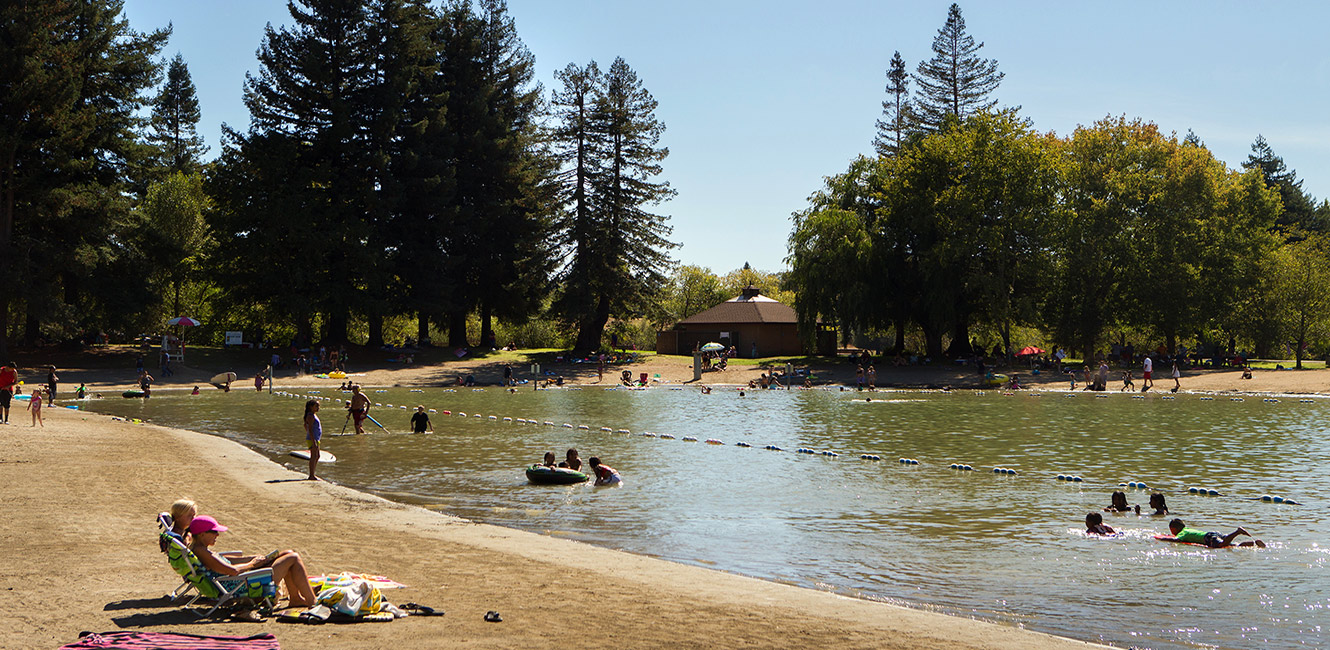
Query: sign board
[(234, 338)]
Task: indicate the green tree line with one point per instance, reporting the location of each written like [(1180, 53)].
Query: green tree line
[(969, 217), (400, 160)]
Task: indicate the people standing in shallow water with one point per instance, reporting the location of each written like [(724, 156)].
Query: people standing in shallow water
[(1209, 539), (1094, 525), (1119, 503), (605, 475), (1157, 502), (420, 421), (572, 461)]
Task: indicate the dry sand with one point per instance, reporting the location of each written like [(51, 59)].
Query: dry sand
[(79, 553)]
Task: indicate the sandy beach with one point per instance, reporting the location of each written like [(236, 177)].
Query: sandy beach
[(80, 497)]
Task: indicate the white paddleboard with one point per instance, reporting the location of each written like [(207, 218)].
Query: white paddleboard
[(222, 379), (325, 456)]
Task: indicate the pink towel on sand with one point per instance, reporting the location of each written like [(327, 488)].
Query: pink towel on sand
[(172, 641)]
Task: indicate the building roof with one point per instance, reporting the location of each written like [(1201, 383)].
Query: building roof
[(748, 307)]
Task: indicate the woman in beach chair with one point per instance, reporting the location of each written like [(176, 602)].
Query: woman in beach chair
[(253, 588), (287, 566)]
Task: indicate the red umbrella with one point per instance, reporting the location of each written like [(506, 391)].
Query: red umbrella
[(1029, 350)]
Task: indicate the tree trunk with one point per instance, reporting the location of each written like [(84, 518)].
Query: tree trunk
[(933, 341), (31, 328), (960, 339), (1171, 341), (486, 325), (588, 336), (375, 330), (422, 328), (335, 329), (457, 330), (900, 335), (6, 255)]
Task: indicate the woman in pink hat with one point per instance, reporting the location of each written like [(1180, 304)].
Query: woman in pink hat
[(286, 566)]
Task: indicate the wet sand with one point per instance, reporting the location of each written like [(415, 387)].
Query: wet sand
[(80, 496)]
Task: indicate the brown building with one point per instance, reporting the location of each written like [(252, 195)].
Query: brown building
[(747, 319)]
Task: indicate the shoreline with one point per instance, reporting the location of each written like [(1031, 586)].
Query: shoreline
[(114, 476)]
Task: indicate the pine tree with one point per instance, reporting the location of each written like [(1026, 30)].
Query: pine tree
[(1299, 209), (623, 262), (175, 119), (72, 75), (897, 110), (955, 81), (314, 91)]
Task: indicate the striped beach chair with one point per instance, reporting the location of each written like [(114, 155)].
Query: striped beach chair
[(254, 589)]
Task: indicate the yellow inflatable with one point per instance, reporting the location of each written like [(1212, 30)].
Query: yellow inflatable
[(337, 374), (995, 380)]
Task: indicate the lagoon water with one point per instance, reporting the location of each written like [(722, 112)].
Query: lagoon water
[(1004, 548)]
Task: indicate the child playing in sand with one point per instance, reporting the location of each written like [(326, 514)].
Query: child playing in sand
[(35, 405), (1210, 539), (1127, 382), (1094, 525)]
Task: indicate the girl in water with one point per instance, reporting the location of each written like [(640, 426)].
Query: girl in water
[(313, 433), (605, 475), (1119, 503)]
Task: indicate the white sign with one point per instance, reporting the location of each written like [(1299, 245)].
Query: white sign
[(235, 338)]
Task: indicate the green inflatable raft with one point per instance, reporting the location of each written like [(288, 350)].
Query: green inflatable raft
[(542, 475)]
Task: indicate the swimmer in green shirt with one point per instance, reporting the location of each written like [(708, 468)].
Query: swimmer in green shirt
[(1210, 539)]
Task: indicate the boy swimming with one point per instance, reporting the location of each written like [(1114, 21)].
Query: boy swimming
[(1208, 539)]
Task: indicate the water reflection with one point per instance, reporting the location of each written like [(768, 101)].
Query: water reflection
[(1004, 547)]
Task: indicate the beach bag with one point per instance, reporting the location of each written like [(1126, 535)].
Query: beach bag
[(353, 597)]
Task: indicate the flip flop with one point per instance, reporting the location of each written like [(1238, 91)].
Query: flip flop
[(493, 617), (415, 609)]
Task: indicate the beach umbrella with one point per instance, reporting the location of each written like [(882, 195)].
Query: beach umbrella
[(713, 347), (183, 321), (1029, 350)]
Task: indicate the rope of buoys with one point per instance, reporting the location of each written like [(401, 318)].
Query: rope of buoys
[(1070, 477), (667, 436), (1268, 498), (1204, 492), (689, 438), (908, 461), (962, 467), (1139, 485), (1004, 470)]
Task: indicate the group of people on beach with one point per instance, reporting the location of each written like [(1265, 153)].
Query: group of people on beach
[(11, 387), (199, 533), (605, 475), (1094, 525)]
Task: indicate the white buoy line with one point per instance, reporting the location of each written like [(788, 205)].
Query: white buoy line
[(1070, 478)]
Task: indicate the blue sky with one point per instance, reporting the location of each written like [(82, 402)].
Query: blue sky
[(762, 99)]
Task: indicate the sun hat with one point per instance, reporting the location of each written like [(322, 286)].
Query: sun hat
[(204, 524)]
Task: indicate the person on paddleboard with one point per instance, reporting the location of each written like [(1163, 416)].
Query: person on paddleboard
[(313, 433), (359, 408)]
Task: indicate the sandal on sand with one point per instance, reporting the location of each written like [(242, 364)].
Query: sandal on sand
[(248, 615), (493, 617), (316, 615), (419, 610)]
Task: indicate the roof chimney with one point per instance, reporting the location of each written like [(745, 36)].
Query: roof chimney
[(750, 292)]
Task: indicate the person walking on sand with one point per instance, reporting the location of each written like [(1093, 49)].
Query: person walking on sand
[(359, 408), (258, 381), (35, 405), (8, 380), (1147, 372), (1177, 376), (313, 434), (51, 380)]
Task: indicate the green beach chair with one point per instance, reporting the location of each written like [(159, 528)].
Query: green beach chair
[(250, 589)]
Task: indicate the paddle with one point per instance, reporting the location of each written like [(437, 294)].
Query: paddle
[(344, 422), (371, 419)]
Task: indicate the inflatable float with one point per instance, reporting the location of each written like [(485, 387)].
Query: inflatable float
[(995, 380), (542, 475), (132, 393)]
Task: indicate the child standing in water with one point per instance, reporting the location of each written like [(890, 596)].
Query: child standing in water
[(1094, 525), (35, 405), (605, 475), (313, 433)]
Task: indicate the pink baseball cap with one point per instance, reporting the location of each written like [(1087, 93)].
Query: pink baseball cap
[(204, 524)]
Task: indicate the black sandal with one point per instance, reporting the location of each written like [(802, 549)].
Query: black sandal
[(415, 609), (493, 617)]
